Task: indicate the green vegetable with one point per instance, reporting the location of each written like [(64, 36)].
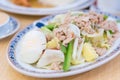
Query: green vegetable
[(51, 26), (105, 32), (47, 32), (105, 17), (45, 29), (86, 39), (118, 21), (68, 56), (80, 14), (77, 14), (63, 49), (110, 31)]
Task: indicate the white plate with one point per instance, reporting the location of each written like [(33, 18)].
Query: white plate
[(95, 8), (76, 5), (13, 27), (43, 73)]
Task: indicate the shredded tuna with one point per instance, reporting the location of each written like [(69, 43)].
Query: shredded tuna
[(95, 18), (100, 51), (109, 25), (56, 66), (84, 24), (86, 21), (64, 34)]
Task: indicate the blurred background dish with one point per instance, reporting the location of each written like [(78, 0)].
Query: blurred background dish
[(111, 6), (31, 3), (34, 7), (41, 3), (56, 2), (4, 18), (8, 25)]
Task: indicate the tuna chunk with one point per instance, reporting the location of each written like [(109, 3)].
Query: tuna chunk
[(109, 25)]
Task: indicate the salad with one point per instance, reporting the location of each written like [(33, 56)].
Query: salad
[(69, 39)]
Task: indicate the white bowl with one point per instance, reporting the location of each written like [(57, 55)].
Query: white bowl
[(4, 24), (9, 26)]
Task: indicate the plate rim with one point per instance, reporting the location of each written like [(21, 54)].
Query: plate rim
[(40, 12)]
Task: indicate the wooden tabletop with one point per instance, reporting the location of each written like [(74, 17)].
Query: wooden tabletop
[(109, 71)]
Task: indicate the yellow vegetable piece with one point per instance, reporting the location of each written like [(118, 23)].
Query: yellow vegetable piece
[(54, 43), (88, 52), (76, 62), (103, 45)]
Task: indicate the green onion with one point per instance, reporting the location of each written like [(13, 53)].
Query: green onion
[(105, 17), (86, 39), (110, 31), (63, 49), (51, 26), (68, 56), (118, 21)]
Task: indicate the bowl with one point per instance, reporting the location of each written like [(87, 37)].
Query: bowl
[(4, 23)]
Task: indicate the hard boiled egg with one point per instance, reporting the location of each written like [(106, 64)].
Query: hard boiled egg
[(32, 46)]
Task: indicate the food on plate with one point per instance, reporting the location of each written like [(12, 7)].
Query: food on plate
[(69, 39), (22, 2), (68, 57), (89, 52), (31, 3), (32, 46), (42, 3), (53, 44), (56, 2), (51, 56)]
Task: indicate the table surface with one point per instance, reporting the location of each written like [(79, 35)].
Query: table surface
[(109, 71)]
